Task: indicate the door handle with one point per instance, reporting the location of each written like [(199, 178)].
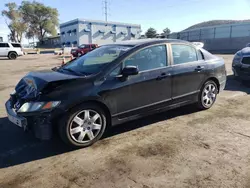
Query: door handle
[(162, 76), (199, 68)]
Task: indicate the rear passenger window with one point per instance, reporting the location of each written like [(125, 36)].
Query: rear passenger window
[(200, 55), (16, 45), (4, 45), (183, 53)]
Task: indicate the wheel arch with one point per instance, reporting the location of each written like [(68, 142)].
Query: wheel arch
[(98, 103), (12, 52), (215, 80)]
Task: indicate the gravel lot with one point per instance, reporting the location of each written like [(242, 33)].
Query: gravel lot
[(178, 148)]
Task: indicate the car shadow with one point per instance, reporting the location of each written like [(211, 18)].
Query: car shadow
[(18, 147), (132, 125), (236, 85)]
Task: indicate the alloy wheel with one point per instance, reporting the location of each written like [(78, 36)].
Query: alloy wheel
[(209, 95), (85, 126)]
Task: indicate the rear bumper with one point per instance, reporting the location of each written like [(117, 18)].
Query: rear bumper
[(222, 85)]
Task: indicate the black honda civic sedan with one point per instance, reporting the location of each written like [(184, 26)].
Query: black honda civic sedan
[(114, 84)]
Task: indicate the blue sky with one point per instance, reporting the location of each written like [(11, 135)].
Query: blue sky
[(175, 14)]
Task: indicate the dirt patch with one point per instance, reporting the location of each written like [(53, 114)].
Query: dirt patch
[(17, 181), (154, 149), (2, 87)]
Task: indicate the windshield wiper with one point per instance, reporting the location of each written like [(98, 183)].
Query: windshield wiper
[(72, 71)]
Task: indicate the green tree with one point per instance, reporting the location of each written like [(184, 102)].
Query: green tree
[(151, 33), (166, 31), (42, 20), (15, 22)]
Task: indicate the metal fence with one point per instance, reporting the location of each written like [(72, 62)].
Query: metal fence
[(223, 31)]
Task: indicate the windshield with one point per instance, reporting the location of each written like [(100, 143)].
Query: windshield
[(94, 61), (82, 46)]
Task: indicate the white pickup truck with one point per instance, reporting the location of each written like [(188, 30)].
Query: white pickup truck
[(10, 50)]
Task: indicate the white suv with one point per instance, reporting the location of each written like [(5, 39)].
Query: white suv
[(10, 50)]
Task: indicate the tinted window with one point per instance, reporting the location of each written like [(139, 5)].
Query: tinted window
[(148, 58), (183, 53), (4, 45), (16, 45), (93, 46)]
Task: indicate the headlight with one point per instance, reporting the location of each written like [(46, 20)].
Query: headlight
[(36, 106), (13, 92), (237, 58)]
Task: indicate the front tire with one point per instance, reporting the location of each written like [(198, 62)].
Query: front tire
[(83, 126), (207, 96), (12, 55)]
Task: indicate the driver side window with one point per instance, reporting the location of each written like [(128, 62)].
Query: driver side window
[(149, 58)]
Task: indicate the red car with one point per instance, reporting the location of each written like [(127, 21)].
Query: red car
[(83, 49)]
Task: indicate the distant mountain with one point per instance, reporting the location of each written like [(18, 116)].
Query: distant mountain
[(215, 23)]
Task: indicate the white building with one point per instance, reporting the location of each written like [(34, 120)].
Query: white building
[(79, 31)]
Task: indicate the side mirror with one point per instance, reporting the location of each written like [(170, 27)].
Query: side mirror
[(129, 71)]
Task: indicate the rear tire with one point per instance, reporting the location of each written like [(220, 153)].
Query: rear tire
[(83, 126), (207, 95), (12, 55)]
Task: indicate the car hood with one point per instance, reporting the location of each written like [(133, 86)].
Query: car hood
[(30, 86), (245, 51)]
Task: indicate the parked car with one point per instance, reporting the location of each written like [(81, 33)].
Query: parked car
[(10, 50), (114, 84), (241, 64), (83, 49)]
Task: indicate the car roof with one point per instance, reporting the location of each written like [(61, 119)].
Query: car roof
[(139, 42)]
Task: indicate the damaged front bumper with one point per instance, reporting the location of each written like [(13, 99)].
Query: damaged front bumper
[(38, 122), (242, 72)]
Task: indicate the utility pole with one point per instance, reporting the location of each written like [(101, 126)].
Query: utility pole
[(106, 10), (105, 4)]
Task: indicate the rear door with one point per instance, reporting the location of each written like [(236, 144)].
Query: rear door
[(4, 49), (189, 71)]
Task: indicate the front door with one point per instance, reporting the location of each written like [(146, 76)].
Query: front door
[(188, 71), (150, 89)]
